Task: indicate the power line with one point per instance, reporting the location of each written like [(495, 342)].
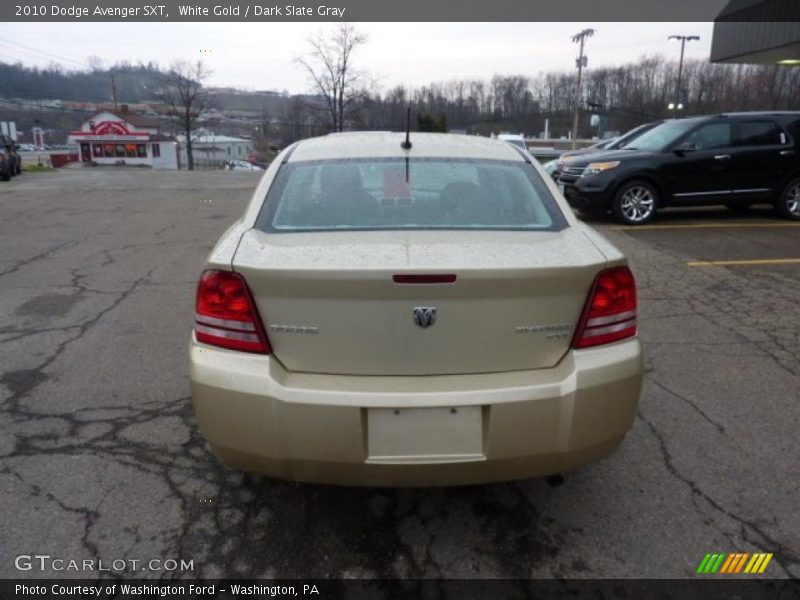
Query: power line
[(47, 54)]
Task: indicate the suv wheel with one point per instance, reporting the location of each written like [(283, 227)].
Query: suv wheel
[(789, 201), (635, 203), (6, 174)]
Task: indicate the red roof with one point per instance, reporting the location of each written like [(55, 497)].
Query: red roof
[(137, 120)]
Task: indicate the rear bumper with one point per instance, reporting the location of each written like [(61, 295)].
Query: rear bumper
[(259, 417)]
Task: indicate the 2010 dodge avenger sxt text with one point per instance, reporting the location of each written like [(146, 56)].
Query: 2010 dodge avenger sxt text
[(423, 315)]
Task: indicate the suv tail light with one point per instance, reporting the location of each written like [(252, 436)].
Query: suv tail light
[(610, 311), (226, 315)]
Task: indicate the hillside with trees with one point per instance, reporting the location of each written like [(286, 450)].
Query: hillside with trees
[(625, 95)]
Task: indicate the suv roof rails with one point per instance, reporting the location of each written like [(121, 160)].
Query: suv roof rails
[(763, 113)]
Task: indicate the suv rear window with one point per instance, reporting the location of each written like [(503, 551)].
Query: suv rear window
[(758, 133), (416, 193)]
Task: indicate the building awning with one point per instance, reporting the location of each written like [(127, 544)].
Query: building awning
[(758, 32), (90, 136)]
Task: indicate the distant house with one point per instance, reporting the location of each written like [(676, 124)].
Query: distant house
[(212, 150), (123, 137)]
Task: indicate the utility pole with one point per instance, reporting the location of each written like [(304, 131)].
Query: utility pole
[(114, 91), (682, 39), (580, 62)]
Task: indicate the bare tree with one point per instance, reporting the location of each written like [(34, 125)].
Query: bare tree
[(186, 99), (95, 62), (330, 68)]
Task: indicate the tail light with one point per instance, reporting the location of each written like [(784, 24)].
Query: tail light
[(226, 315), (610, 311)]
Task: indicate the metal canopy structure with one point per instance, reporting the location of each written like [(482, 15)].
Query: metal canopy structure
[(758, 32)]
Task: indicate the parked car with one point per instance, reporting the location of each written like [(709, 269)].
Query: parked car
[(514, 139), (550, 166), (241, 165), (732, 159), (432, 315), (10, 160), (613, 144)]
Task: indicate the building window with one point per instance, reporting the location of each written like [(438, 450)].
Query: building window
[(108, 150), (130, 150), (97, 150), (141, 150), (229, 150), (156, 150), (119, 150)]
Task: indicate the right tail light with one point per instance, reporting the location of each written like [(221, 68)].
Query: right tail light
[(610, 311)]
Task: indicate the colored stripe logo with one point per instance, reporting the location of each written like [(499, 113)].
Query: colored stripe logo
[(734, 563)]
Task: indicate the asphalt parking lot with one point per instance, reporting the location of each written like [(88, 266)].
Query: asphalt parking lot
[(100, 457)]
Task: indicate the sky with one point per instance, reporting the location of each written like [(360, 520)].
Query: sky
[(259, 56)]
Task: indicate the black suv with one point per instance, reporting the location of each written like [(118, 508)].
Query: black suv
[(10, 160), (734, 159), (606, 145)]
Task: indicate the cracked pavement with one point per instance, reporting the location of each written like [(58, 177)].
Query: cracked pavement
[(100, 457)]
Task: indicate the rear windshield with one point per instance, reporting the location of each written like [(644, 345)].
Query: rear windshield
[(417, 193)]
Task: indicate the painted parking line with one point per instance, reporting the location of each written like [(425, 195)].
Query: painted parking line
[(703, 226), (740, 263)]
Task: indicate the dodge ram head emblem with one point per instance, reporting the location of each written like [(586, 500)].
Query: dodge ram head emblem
[(424, 316)]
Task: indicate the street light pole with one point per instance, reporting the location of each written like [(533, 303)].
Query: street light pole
[(683, 39), (580, 62)]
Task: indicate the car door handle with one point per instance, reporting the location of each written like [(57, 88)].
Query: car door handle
[(722, 157), (787, 152)]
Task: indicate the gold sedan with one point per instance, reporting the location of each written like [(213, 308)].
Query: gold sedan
[(406, 316)]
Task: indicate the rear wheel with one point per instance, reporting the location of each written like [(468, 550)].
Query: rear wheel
[(635, 203), (789, 201), (5, 175)]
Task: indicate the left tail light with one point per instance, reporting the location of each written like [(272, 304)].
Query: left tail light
[(226, 314)]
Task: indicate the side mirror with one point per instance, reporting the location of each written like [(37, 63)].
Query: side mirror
[(685, 147)]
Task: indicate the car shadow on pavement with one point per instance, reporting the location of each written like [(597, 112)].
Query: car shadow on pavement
[(258, 526), (683, 215)]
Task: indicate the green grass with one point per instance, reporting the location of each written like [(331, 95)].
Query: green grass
[(37, 169)]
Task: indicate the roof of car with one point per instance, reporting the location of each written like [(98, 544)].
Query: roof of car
[(382, 144), (763, 113)]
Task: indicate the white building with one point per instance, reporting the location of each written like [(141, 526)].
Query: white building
[(211, 150), (125, 138)]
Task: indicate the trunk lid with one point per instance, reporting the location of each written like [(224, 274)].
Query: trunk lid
[(330, 305)]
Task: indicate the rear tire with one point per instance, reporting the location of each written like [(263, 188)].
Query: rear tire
[(788, 205), (635, 203), (6, 175)]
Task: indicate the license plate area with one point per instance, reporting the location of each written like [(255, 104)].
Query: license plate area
[(425, 435)]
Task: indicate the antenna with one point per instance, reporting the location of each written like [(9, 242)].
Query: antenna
[(406, 145)]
